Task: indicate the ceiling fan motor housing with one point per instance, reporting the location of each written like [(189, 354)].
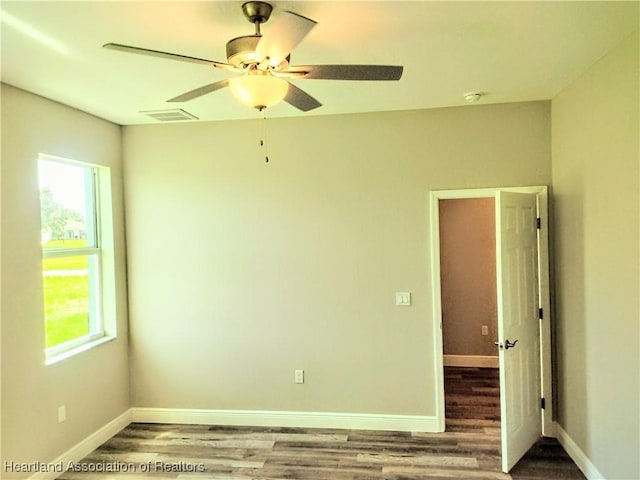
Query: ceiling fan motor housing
[(241, 51)]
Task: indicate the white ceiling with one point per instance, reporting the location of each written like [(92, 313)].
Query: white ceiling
[(511, 51)]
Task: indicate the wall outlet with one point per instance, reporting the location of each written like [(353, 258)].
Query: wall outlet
[(62, 413), (485, 329), (299, 376)]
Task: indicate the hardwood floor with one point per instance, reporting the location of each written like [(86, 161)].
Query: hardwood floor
[(472, 403), (469, 449), (472, 393)]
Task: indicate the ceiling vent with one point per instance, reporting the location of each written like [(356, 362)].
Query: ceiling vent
[(175, 115)]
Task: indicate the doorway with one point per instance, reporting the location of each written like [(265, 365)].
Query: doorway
[(469, 313), (539, 195)]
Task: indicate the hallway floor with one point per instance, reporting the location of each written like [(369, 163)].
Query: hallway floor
[(472, 403)]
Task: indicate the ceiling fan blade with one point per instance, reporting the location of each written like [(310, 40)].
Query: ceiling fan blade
[(300, 99), (198, 92), (286, 32), (171, 56), (349, 72)]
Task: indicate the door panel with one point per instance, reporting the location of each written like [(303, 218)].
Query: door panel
[(518, 322)]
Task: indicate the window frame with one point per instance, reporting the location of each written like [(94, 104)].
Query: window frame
[(101, 329)]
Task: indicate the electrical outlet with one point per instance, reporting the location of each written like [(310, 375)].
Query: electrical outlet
[(62, 413), (299, 376), (485, 329)]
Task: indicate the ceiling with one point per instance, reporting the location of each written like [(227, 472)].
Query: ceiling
[(510, 51)]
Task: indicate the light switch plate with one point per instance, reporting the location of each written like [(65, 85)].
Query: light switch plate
[(403, 299)]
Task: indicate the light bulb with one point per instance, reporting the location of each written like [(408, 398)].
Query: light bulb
[(259, 89)]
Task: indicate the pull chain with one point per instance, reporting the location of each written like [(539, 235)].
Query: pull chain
[(263, 139)]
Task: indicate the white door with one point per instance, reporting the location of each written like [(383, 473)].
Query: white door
[(518, 324)]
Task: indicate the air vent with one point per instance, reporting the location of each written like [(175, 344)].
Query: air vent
[(174, 115)]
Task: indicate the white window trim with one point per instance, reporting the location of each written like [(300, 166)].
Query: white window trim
[(88, 343), (103, 300)]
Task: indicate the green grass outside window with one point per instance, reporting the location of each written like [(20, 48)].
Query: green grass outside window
[(66, 295)]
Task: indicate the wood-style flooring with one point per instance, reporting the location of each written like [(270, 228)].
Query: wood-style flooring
[(472, 393), (469, 449)]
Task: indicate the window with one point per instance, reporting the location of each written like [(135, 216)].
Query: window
[(72, 255)]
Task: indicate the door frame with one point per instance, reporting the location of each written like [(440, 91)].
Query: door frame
[(542, 194)]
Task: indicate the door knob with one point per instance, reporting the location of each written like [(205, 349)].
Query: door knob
[(508, 344)]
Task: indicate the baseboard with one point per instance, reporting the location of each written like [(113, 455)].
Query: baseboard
[(577, 455), (261, 418), (361, 421), (478, 361), (86, 446)]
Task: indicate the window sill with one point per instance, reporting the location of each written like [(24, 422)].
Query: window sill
[(58, 357)]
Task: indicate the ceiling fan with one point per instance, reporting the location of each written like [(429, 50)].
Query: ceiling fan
[(264, 62)]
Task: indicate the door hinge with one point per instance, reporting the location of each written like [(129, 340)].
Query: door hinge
[(540, 313), (542, 403), (538, 223)]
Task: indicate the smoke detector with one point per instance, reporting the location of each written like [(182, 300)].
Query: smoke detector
[(472, 97)]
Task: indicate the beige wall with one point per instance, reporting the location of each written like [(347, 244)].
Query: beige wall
[(595, 181), (241, 271), (468, 276), (92, 385)]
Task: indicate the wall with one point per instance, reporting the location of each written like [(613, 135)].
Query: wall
[(595, 181), (94, 385), (468, 276), (242, 271)]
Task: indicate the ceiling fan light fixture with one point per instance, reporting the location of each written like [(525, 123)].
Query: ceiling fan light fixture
[(259, 89), (265, 62)]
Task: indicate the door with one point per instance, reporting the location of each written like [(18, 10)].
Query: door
[(518, 324)]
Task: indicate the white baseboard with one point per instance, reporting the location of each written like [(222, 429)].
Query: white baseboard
[(479, 361), (86, 446), (261, 418), (577, 455), (362, 421)]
